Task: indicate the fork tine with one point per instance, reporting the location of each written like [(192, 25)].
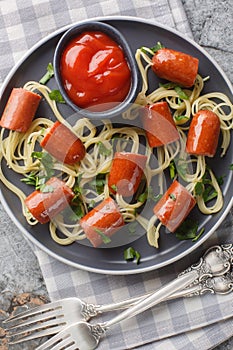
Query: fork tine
[(38, 318), (34, 311), (72, 347), (63, 344), (40, 334), (36, 327), (51, 342)]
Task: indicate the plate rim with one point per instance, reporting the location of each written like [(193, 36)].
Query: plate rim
[(32, 240)]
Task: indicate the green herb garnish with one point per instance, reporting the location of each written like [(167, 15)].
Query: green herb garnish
[(149, 195), (56, 96), (198, 235), (98, 183), (205, 188), (172, 170), (132, 227), (168, 85), (114, 187), (46, 160), (91, 204), (209, 194), (130, 253), (231, 167), (46, 188), (103, 149), (157, 47), (180, 92), (48, 75), (154, 49), (38, 179), (105, 238), (31, 179), (178, 118), (77, 189), (172, 196), (143, 197), (189, 230), (198, 189), (178, 166), (77, 212)]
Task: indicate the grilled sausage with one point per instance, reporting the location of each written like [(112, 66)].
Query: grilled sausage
[(175, 66), (63, 144), (102, 221), (174, 206), (203, 134), (126, 173), (46, 205), (159, 125), (20, 110)]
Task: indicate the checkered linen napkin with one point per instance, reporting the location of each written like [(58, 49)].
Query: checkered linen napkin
[(195, 323)]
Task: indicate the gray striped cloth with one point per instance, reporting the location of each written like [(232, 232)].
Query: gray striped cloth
[(196, 323)]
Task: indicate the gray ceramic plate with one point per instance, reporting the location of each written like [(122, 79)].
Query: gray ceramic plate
[(31, 67)]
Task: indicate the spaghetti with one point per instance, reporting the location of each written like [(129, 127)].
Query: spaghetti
[(101, 143)]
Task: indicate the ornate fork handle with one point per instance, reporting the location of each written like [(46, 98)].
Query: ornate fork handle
[(222, 284), (216, 262)]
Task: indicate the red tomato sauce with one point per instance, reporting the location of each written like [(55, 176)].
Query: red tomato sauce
[(95, 71)]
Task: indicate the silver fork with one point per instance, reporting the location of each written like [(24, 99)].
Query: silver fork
[(85, 336), (52, 318)]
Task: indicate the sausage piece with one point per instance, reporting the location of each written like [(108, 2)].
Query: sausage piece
[(126, 173), (158, 124), (174, 206), (20, 110), (105, 219), (175, 66), (63, 144), (45, 205), (203, 134)]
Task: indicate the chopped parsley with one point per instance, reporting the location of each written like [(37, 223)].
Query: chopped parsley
[(48, 75), (172, 170), (46, 160), (205, 188), (104, 237), (179, 118), (56, 96), (103, 149), (32, 179), (172, 196), (132, 227), (154, 49), (38, 179), (180, 92), (178, 167), (98, 183), (130, 253), (114, 187), (148, 195), (77, 189), (46, 188), (157, 47), (189, 230), (77, 211)]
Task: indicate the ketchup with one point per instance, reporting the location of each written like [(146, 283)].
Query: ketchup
[(95, 71)]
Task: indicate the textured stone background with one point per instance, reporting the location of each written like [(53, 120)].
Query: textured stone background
[(20, 279)]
